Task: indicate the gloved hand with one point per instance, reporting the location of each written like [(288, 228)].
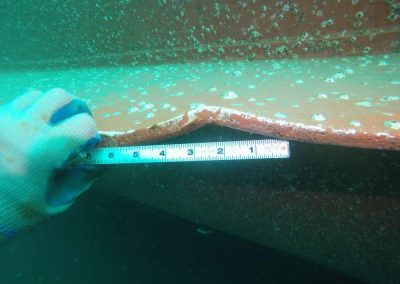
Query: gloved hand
[(41, 135)]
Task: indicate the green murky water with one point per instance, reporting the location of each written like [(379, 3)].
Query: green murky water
[(106, 238)]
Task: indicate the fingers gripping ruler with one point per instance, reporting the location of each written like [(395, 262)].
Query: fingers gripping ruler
[(192, 152)]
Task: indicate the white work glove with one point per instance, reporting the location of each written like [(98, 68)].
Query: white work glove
[(41, 135)]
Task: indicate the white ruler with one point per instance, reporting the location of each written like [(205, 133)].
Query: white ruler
[(228, 150)]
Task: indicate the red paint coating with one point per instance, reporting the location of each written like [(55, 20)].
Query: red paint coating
[(182, 125), (350, 101)]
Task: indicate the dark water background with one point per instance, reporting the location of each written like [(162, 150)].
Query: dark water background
[(107, 239)]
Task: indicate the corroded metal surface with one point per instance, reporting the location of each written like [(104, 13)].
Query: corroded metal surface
[(344, 101), (109, 33)]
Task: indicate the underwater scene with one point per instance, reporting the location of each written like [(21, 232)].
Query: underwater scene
[(194, 141)]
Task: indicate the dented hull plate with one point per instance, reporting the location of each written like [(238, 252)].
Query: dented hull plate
[(351, 101)]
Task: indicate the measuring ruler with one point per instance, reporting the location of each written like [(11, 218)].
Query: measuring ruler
[(192, 152)]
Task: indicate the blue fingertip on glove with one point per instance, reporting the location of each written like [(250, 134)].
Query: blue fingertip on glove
[(75, 107), (72, 179), (91, 143)]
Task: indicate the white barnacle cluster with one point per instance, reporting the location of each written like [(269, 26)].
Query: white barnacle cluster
[(393, 124), (280, 115), (318, 117), (355, 123), (330, 80), (364, 104), (390, 98), (344, 97), (322, 96), (229, 95)]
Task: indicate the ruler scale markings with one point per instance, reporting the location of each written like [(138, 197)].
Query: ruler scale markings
[(211, 151)]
